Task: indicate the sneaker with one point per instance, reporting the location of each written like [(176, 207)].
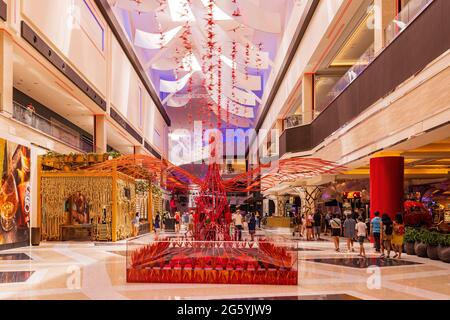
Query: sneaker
[(382, 256)]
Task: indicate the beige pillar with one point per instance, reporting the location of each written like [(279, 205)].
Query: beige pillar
[(384, 12), (308, 98), (6, 74), (100, 134)]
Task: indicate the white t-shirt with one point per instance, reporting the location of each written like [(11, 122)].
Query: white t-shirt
[(361, 229), (237, 218)]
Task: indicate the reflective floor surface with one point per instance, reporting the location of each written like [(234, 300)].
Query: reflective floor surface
[(97, 271)]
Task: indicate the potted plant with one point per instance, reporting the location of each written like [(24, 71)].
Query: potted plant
[(431, 239), (410, 239), (444, 248), (420, 247), (81, 157), (113, 155), (91, 157)]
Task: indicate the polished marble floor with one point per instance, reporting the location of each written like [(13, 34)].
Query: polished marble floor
[(97, 271)]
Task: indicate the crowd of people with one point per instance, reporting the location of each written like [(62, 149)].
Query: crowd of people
[(387, 234), (241, 221), (354, 227)]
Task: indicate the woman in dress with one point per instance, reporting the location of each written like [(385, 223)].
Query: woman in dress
[(157, 224), (386, 235), (397, 236)]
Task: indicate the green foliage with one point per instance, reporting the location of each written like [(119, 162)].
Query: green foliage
[(412, 234), (156, 191), (430, 238), (114, 154), (142, 186), (444, 240)]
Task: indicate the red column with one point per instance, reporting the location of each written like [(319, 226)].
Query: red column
[(386, 185)]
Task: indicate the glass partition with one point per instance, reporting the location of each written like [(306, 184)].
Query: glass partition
[(405, 16), (181, 260), (351, 74), (56, 130)]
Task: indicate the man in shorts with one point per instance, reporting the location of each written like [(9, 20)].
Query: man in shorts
[(336, 229), (361, 232)]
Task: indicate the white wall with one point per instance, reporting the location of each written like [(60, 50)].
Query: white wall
[(76, 30)]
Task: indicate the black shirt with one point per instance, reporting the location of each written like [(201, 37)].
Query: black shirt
[(317, 219)]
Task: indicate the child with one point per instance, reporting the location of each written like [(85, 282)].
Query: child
[(361, 232)]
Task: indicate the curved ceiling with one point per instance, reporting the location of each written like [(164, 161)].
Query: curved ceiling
[(172, 40)]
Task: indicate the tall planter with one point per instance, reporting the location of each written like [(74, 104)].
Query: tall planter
[(409, 248), (444, 253), (420, 249), (432, 252)]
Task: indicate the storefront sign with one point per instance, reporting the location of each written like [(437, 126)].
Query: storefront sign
[(352, 195)]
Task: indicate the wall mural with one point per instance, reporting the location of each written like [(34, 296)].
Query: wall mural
[(15, 193)]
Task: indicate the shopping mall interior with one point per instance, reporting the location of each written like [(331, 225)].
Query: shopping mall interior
[(224, 149)]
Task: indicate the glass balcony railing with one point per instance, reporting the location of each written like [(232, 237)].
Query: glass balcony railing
[(362, 63), (406, 15), (293, 121), (57, 131), (404, 18)]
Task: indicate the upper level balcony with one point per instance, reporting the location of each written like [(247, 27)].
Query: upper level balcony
[(51, 128), (418, 39)]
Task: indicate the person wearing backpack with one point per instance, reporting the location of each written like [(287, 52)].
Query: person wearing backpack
[(386, 237), (336, 229), (397, 236)]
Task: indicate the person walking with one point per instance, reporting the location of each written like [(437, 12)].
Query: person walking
[(386, 235), (309, 227), (237, 221), (317, 224), (361, 232), (297, 225), (349, 232), (252, 226), (336, 228), (157, 223), (375, 229), (135, 223), (397, 236), (177, 222), (258, 219), (327, 222)]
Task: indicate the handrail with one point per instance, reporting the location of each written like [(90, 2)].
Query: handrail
[(56, 130), (404, 17), (402, 21)]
